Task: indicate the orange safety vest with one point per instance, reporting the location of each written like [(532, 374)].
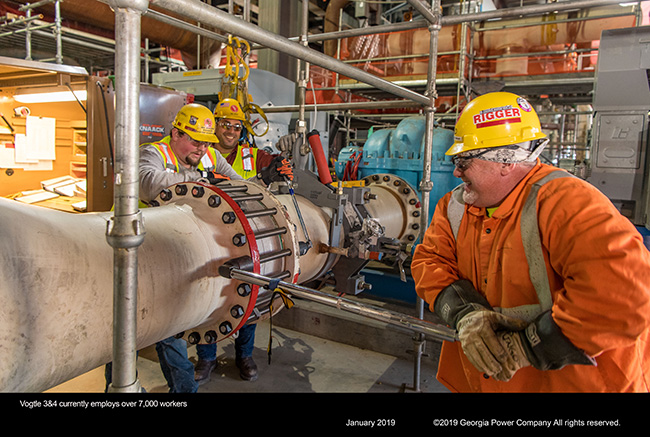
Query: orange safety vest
[(208, 161)]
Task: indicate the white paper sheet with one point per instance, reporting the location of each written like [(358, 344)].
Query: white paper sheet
[(41, 134), (7, 153), (22, 152)]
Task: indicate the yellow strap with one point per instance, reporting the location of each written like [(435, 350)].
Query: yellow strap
[(250, 108), (288, 303), (234, 87)]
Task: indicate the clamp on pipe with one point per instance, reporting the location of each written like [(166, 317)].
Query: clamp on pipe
[(125, 232)]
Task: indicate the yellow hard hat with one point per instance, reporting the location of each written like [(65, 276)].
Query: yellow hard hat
[(229, 108), (495, 120), (197, 121)]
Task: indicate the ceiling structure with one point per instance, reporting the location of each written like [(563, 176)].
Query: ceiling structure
[(87, 36)]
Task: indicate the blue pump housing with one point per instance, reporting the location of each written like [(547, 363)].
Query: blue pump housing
[(400, 151)]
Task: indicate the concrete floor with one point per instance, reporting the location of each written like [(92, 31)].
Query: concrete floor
[(328, 371), (300, 363)]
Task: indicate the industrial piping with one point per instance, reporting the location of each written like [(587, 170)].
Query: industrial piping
[(57, 285)]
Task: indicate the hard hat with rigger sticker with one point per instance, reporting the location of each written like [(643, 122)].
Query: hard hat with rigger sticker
[(495, 120), (196, 121), (229, 108)]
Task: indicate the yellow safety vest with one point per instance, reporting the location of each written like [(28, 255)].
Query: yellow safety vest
[(245, 162), (208, 162)]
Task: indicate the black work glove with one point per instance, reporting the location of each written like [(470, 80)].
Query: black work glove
[(277, 171), (212, 178)]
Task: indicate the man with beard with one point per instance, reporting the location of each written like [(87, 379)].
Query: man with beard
[(187, 154), (545, 282)]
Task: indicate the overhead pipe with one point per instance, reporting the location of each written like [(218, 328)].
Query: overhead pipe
[(347, 106), (447, 20), (197, 10)]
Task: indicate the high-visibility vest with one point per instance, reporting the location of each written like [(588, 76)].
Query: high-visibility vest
[(245, 163), (208, 161), (532, 245)]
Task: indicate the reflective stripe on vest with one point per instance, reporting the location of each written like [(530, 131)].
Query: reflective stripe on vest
[(238, 163), (531, 241), (171, 162), (208, 161)]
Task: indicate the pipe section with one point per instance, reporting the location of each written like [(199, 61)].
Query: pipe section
[(56, 280), (57, 288)]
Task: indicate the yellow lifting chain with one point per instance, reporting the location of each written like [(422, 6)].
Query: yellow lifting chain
[(234, 85)]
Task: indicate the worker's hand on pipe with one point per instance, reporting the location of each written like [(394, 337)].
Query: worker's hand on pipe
[(212, 178), (285, 143), (488, 340), (278, 170)]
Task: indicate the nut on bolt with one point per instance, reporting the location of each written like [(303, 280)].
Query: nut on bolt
[(181, 189), (228, 217), (210, 336), (244, 290), (237, 311), (225, 328), (239, 240), (194, 338), (198, 191), (166, 195), (214, 201)]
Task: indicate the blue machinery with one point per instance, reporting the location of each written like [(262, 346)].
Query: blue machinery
[(399, 151)]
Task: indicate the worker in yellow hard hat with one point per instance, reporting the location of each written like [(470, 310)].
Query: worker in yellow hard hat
[(249, 162), (546, 284), (246, 159), (186, 154)]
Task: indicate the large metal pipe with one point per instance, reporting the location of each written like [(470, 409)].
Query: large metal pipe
[(57, 290), (56, 282)]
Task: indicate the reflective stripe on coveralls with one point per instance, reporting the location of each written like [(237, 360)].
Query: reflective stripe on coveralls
[(532, 246)]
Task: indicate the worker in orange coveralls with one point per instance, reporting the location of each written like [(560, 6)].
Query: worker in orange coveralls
[(545, 282)]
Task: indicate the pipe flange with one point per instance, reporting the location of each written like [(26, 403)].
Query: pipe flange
[(223, 220), (407, 198), (244, 220), (275, 234)]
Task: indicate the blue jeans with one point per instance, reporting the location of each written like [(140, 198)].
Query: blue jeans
[(176, 367), (244, 344)]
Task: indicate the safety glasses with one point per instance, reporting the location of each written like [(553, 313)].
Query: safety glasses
[(227, 126), (462, 162)]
